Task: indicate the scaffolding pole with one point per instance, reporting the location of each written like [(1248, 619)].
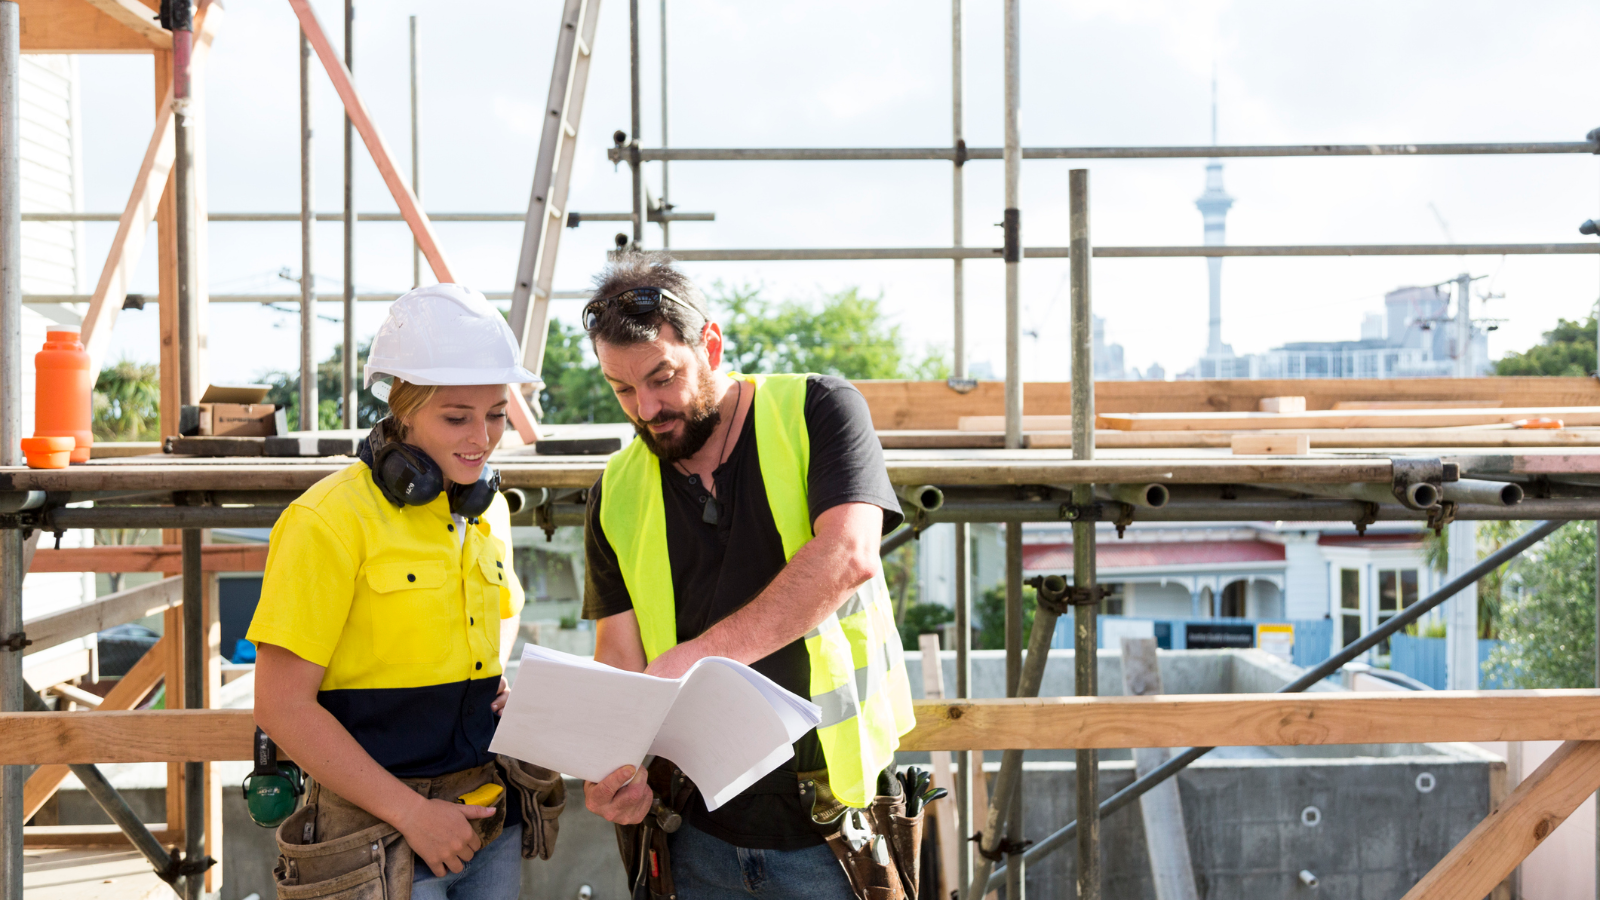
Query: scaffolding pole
[(849, 154), (11, 541), (1012, 225), (640, 206), (958, 202), (416, 157), (666, 230), (308, 233), (964, 759), (1085, 596), (908, 253), (348, 384)]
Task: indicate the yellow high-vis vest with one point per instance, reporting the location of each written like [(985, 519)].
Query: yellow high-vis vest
[(858, 670)]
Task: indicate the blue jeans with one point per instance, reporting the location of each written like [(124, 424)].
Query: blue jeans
[(495, 873), (707, 868)]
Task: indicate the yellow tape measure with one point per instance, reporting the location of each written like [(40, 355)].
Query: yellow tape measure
[(483, 796)]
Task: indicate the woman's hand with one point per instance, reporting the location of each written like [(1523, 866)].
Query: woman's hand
[(619, 798), (441, 833), (500, 697)]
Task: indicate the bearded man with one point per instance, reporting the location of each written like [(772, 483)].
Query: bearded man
[(744, 523)]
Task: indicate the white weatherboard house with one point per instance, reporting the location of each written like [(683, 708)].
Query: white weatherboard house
[(1277, 571)]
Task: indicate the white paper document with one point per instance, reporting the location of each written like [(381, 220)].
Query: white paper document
[(723, 723)]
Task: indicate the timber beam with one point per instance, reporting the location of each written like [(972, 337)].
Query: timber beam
[(1173, 720)]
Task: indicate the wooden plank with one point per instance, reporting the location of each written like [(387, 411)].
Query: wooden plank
[(1256, 720), (43, 673), (90, 836), (138, 18), (150, 558), (90, 873), (928, 405), (1007, 469), (1282, 404), (1172, 720), (1415, 404), (1326, 438), (1511, 831), (54, 629), (73, 26), (344, 85), (1372, 418), (1280, 444), (944, 816), (129, 692), (144, 201)]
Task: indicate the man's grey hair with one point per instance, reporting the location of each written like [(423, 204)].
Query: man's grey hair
[(627, 271)]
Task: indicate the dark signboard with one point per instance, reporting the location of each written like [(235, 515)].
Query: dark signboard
[(1219, 635)]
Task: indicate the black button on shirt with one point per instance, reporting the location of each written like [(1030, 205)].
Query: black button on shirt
[(719, 567)]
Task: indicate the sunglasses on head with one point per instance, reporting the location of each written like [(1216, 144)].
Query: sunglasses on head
[(633, 302)]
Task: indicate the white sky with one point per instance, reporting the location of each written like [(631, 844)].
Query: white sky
[(832, 74)]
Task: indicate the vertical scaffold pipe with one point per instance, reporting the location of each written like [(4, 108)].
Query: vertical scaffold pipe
[(194, 677), (666, 227), (1012, 223), (958, 203), (640, 211), (308, 233), (1085, 631), (964, 770), (11, 546), (1014, 638), (349, 385), (416, 156)]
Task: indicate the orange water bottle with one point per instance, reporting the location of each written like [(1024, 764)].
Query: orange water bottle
[(63, 390)]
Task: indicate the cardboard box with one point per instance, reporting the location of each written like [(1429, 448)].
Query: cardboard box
[(233, 411), (242, 420)]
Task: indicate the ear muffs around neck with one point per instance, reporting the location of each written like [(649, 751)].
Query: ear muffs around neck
[(407, 476)]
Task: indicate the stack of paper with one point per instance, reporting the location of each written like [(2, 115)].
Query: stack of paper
[(723, 723)]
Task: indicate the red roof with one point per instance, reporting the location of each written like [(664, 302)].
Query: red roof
[(1142, 554), (1410, 540)]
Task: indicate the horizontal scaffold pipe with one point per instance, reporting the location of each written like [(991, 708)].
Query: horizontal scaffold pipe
[(952, 154), (326, 294), (1165, 720), (789, 254), (519, 218), (1314, 510)]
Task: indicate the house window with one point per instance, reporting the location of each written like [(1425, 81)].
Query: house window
[(1397, 589), (1114, 601), (1350, 605)]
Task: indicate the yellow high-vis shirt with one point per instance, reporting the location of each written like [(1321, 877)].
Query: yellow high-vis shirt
[(403, 612)]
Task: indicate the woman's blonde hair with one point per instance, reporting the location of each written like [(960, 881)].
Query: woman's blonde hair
[(405, 399)]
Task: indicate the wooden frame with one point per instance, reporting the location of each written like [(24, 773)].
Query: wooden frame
[(120, 608)]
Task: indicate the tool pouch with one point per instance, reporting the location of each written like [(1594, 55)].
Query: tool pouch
[(645, 855), (333, 850), (863, 840), (544, 796)]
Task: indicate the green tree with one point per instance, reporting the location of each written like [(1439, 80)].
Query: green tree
[(1547, 621), (285, 392), (990, 616), (127, 402), (1491, 536), (1568, 349), (923, 618), (574, 390), (845, 335)]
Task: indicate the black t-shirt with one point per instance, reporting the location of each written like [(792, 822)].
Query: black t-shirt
[(717, 569)]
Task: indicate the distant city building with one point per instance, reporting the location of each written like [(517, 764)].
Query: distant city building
[(1414, 338), (1107, 357)]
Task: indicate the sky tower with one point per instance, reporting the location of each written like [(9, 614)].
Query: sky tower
[(1214, 204)]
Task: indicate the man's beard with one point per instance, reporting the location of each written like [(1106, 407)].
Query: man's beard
[(700, 420)]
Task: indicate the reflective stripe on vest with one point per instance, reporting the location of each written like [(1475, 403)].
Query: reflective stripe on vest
[(858, 671)]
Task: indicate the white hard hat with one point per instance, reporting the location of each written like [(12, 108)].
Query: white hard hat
[(445, 334)]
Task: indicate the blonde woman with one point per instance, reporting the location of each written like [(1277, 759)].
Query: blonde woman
[(387, 608)]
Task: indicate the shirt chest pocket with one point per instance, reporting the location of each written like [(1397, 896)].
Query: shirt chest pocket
[(414, 608), (488, 577)]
